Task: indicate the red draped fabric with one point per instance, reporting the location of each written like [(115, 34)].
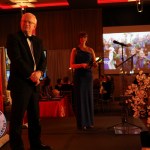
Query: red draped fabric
[(1, 91), (56, 108), (3, 81)]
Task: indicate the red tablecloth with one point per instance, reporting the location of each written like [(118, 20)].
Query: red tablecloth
[(55, 108)]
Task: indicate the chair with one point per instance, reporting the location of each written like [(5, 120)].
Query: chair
[(105, 103), (106, 94), (100, 104)]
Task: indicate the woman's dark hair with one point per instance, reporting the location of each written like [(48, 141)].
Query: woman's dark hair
[(66, 79), (59, 80), (83, 34)]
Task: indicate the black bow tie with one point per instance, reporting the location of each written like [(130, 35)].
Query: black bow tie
[(29, 37)]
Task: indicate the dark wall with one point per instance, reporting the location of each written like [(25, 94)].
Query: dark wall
[(9, 24), (125, 15), (59, 27)]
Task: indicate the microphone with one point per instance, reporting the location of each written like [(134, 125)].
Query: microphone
[(122, 44)]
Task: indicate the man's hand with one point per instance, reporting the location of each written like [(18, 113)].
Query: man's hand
[(35, 77)]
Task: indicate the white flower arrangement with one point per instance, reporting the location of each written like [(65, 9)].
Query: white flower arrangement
[(139, 95)]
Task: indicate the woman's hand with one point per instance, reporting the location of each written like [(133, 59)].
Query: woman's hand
[(85, 65), (95, 64)]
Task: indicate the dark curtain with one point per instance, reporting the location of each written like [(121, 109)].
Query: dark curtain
[(58, 64), (58, 28)]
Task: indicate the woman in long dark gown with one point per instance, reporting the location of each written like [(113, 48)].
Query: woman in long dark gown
[(81, 60)]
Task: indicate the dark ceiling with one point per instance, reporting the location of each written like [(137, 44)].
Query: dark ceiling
[(11, 4)]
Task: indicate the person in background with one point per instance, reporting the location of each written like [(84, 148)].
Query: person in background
[(143, 60), (112, 55), (46, 89), (112, 86), (106, 88), (58, 84), (96, 83), (66, 85), (80, 60), (28, 63)]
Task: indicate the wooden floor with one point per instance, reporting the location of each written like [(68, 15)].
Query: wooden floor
[(61, 133)]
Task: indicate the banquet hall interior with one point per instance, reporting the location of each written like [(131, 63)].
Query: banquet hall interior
[(120, 22)]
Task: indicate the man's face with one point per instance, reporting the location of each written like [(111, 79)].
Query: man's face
[(28, 24), (141, 54)]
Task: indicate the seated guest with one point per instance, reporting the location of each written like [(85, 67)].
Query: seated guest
[(106, 88), (56, 93), (46, 89), (58, 84), (112, 86), (66, 86), (96, 84)]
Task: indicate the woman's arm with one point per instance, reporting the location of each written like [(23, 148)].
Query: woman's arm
[(94, 58)]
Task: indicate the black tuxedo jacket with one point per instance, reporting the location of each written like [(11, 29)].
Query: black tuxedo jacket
[(22, 64)]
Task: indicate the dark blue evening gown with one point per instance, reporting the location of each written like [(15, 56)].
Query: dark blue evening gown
[(83, 91)]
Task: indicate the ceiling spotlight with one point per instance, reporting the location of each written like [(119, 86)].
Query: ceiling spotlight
[(139, 4)]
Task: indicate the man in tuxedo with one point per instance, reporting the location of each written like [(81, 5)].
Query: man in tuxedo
[(28, 63)]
